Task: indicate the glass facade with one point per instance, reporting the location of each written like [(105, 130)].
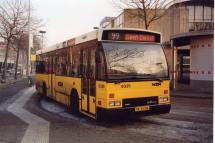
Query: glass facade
[(200, 18)]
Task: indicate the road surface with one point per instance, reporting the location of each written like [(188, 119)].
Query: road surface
[(25, 118)]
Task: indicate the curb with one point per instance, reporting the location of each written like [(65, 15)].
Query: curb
[(195, 97)]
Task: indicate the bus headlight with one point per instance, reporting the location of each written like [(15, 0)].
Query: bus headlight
[(112, 103), (115, 103), (164, 99)]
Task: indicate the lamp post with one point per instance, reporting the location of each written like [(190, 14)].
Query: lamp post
[(30, 45), (29, 39), (42, 32)]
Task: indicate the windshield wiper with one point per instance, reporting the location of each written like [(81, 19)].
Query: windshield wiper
[(142, 76), (154, 77)]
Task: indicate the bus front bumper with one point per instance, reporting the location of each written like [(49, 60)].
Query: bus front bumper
[(114, 113)]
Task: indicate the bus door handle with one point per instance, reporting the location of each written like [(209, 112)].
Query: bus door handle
[(94, 100)]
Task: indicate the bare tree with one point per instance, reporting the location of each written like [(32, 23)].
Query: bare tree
[(14, 28), (147, 10), (13, 19), (20, 43)]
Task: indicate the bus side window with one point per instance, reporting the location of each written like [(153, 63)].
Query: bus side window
[(92, 63), (58, 71), (63, 65), (53, 64), (70, 58), (84, 63), (75, 62), (92, 71), (100, 65), (40, 67)]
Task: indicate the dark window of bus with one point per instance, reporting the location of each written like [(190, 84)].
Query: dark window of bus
[(53, 64), (46, 59), (67, 62), (61, 65), (92, 72), (75, 62), (84, 64), (100, 65), (50, 65), (57, 68), (40, 65)]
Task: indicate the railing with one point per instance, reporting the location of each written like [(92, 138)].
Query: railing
[(200, 26)]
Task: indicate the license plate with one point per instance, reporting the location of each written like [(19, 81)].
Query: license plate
[(141, 108)]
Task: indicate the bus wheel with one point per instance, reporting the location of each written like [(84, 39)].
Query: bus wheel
[(44, 90), (74, 103)]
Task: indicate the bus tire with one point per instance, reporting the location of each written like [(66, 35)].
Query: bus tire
[(44, 90), (74, 103)]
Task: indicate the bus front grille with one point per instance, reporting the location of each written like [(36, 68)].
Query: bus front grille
[(132, 102)]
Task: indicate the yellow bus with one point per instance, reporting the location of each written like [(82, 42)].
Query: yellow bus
[(106, 72)]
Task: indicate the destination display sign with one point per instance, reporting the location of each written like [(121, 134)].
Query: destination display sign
[(140, 37), (128, 35)]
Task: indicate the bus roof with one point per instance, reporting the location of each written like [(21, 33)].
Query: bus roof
[(96, 34)]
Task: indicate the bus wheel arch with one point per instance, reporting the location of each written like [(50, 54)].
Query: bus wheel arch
[(74, 101)]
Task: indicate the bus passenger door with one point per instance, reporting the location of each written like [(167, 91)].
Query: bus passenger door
[(53, 76), (50, 76), (84, 81), (92, 81), (88, 81)]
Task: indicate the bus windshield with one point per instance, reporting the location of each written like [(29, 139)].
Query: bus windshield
[(135, 61)]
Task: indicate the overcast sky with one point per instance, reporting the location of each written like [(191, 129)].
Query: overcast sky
[(65, 19)]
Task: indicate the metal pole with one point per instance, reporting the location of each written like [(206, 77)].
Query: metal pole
[(42, 32), (172, 65), (29, 39), (42, 40)]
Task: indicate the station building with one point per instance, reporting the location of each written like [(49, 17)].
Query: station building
[(187, 35)]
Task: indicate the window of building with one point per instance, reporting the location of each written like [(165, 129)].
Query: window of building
[(207, 13), (118, 21), (198, 13), (200, 18), (191, 13)]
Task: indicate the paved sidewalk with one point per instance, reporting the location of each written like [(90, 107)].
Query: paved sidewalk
[(191, 94), (11, 81)]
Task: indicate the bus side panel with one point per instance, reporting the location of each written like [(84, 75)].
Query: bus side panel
[(101, 94), (40, 79), (62, 95), (64, 86)]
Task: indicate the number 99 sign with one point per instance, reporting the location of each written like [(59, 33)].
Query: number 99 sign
[(115, 36)]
